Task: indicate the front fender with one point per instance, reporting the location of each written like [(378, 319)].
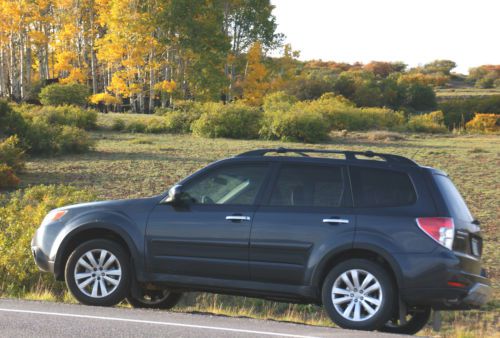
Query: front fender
[(114, 221)]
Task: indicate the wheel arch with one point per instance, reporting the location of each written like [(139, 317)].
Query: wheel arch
[(366, 252), (88, 232)]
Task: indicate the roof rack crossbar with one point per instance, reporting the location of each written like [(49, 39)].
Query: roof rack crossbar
[(349, 155)]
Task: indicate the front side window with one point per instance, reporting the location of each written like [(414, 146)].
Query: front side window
[(374, 188), (309, 186), (227, 185)]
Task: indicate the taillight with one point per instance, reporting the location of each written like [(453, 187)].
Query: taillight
[(440, 229)]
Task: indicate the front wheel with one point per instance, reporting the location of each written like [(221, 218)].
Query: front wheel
[(415, 321), (358, 294), (155, 299), (97, 273)]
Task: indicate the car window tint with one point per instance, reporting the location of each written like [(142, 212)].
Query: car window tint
[(309, 186), (456, 204), (227, 185), (381, 188)]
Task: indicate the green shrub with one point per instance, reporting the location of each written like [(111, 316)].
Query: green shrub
[(294, 126), (64, 115), (11, 121), (20, 215), (41, 138), (8, 178), (156, 126), (427, 123), (72, 140), (235, 120), (457, 112), (118, 124), (278, 101), (64, 94), (136, 127), (181, 121), (11, 154)]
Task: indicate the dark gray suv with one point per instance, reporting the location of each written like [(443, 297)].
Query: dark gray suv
[(376, 239)]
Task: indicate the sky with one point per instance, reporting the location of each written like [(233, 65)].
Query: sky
[(413, 31)]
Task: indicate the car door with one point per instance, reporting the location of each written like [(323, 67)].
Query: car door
[(307, 212), (207, 236)]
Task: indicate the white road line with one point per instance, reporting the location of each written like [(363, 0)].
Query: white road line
[(155, 323)]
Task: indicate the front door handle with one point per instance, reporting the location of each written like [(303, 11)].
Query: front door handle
[(336, 220), (238, 218)]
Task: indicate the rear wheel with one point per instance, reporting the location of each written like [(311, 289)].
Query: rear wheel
[(155, 299), (415, 321), (97, 273), (358, 294)]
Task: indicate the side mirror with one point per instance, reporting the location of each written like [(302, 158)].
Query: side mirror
[(174, 195)]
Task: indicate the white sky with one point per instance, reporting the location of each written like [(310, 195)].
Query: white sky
[(412, 31)]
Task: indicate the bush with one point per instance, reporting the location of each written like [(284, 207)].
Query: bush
[(156, 126), (294, 126), (64, 94), (64, 115), (11, 121), (457, 112), (278, 101), (19, 218), (118, 125), (487, 123), (181, 121), (72, 140), (41, 138), (427, 123), (8, 178), (136, 127), (11, 154), (234, 120)]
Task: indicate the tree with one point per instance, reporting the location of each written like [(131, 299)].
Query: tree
[(256, 83), (439, 66)]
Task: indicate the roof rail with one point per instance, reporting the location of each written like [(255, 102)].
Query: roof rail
[(349, 155)]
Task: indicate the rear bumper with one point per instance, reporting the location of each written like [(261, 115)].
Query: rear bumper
[(478, 295)]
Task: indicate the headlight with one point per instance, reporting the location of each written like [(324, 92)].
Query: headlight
[(53, 216)]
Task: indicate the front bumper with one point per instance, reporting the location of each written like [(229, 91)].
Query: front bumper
[(41, 259)]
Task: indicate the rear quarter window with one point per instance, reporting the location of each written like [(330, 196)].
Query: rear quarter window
[(453, 199), (375, 188)]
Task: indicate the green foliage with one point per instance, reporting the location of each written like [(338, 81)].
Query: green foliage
[(11, 121), (72, 140), (457, 112), (156, 126), (19, 217), (11, 153), (485, 83), (64, 94), (296, 126), (309, 88), (63, 115), (180, 121), (136, 127), (45, 139), (118, 125), (421, 97), (234, 120), (427, 123), (278, 101)]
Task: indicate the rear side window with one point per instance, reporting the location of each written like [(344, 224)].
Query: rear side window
[(453, 199), (309, 186), (374, 188)]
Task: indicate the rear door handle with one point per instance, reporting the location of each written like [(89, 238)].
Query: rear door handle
[(238, 218), (335, 220)]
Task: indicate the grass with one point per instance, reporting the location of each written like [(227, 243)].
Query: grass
[(465, 92), (134, 165)]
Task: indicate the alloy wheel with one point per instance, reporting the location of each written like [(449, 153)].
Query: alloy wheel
[(357, 295), (97, 273)]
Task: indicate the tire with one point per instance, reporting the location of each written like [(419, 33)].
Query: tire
[(103, 280), (156, 299), (416, 320), (352, 304)]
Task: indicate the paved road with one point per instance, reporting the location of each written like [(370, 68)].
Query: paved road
[(45, 319)]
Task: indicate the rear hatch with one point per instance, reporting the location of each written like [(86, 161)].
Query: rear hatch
[(468, 240)]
